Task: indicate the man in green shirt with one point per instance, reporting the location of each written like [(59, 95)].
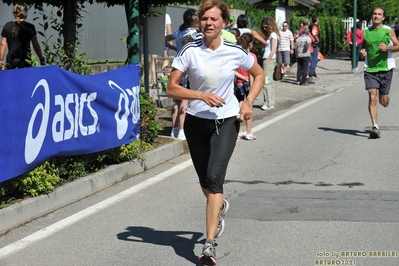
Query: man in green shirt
[(379, 42)]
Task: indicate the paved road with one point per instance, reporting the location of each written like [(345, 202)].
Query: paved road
[(312, 189)]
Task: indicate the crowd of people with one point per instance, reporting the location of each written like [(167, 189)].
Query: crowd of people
[(278, 46)]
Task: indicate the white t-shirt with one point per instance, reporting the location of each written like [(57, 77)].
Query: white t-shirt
[(213, 71), (244, 30), (266, 54), (180, 35), (167, 21)]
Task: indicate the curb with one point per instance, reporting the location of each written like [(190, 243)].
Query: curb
[(32, 208)]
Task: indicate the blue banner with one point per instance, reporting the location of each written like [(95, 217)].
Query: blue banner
[(48, 111)]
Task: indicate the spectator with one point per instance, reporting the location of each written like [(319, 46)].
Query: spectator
[(271, 34), (165, 63), (302, 51), (17, 36), (186, 32), (396, 28), (305, 24), (231, 24), (314, 56), (285, 48), (244, 81), (236, 33), (359, 41), (242, 25)]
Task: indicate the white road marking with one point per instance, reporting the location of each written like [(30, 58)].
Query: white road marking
[(58, 226), (290, 112), (48, 231)]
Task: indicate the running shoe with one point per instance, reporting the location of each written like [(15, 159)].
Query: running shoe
[(208, 254), (221, 224), (225, 207), (265, 107), (181, 135), (250, 137), (241, 135), (375, 133)]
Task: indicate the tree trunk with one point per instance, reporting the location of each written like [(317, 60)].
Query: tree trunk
[(69, 19)]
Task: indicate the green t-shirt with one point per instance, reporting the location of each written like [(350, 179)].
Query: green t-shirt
[(377, 60), (228, 36)]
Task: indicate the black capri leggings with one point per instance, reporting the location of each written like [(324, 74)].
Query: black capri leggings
[(211, 144)]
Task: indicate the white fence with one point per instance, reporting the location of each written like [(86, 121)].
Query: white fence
[(349, 23)]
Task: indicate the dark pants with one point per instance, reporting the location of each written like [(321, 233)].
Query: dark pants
[(302, 69), (211, 144), (358, 48), (314, 58)]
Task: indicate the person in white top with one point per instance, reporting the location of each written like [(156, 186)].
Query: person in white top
[(285, 47), (242, 25), (186, 32), (165, 63), (270, 32), (213, 115)]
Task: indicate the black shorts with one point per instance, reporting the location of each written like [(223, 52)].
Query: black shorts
[(380, 80), (211, 144)]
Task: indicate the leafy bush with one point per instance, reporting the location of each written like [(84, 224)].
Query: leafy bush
[(149, 127)]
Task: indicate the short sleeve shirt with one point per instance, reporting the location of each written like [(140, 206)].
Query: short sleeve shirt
[(213, 71), (180, 35), (18, 47), (167, 22), (267, 52)]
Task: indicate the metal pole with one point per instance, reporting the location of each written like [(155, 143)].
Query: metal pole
[(134, 33), (145, 54), (354, 34)]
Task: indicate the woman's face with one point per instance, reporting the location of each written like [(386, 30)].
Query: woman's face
[(212, 23), (265, 28)]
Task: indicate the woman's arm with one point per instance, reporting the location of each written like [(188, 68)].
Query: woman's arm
[(168, 41), (175, 91), (3, 47), (37, 49), (258, 37), (258, 80), (241, 76)]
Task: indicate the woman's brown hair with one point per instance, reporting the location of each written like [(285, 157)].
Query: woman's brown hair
[(208, 4), (267, 26)]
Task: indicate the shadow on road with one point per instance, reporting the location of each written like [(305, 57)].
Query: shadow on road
[(184, 247), (353, 132)]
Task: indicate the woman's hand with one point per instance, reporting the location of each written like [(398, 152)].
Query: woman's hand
[(246, 110), (212, 99)]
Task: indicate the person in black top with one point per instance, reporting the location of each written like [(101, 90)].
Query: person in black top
[(396, 29), (16, 36)]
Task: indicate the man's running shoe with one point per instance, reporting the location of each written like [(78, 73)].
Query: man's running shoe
[(208, 254), (375, 133)]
